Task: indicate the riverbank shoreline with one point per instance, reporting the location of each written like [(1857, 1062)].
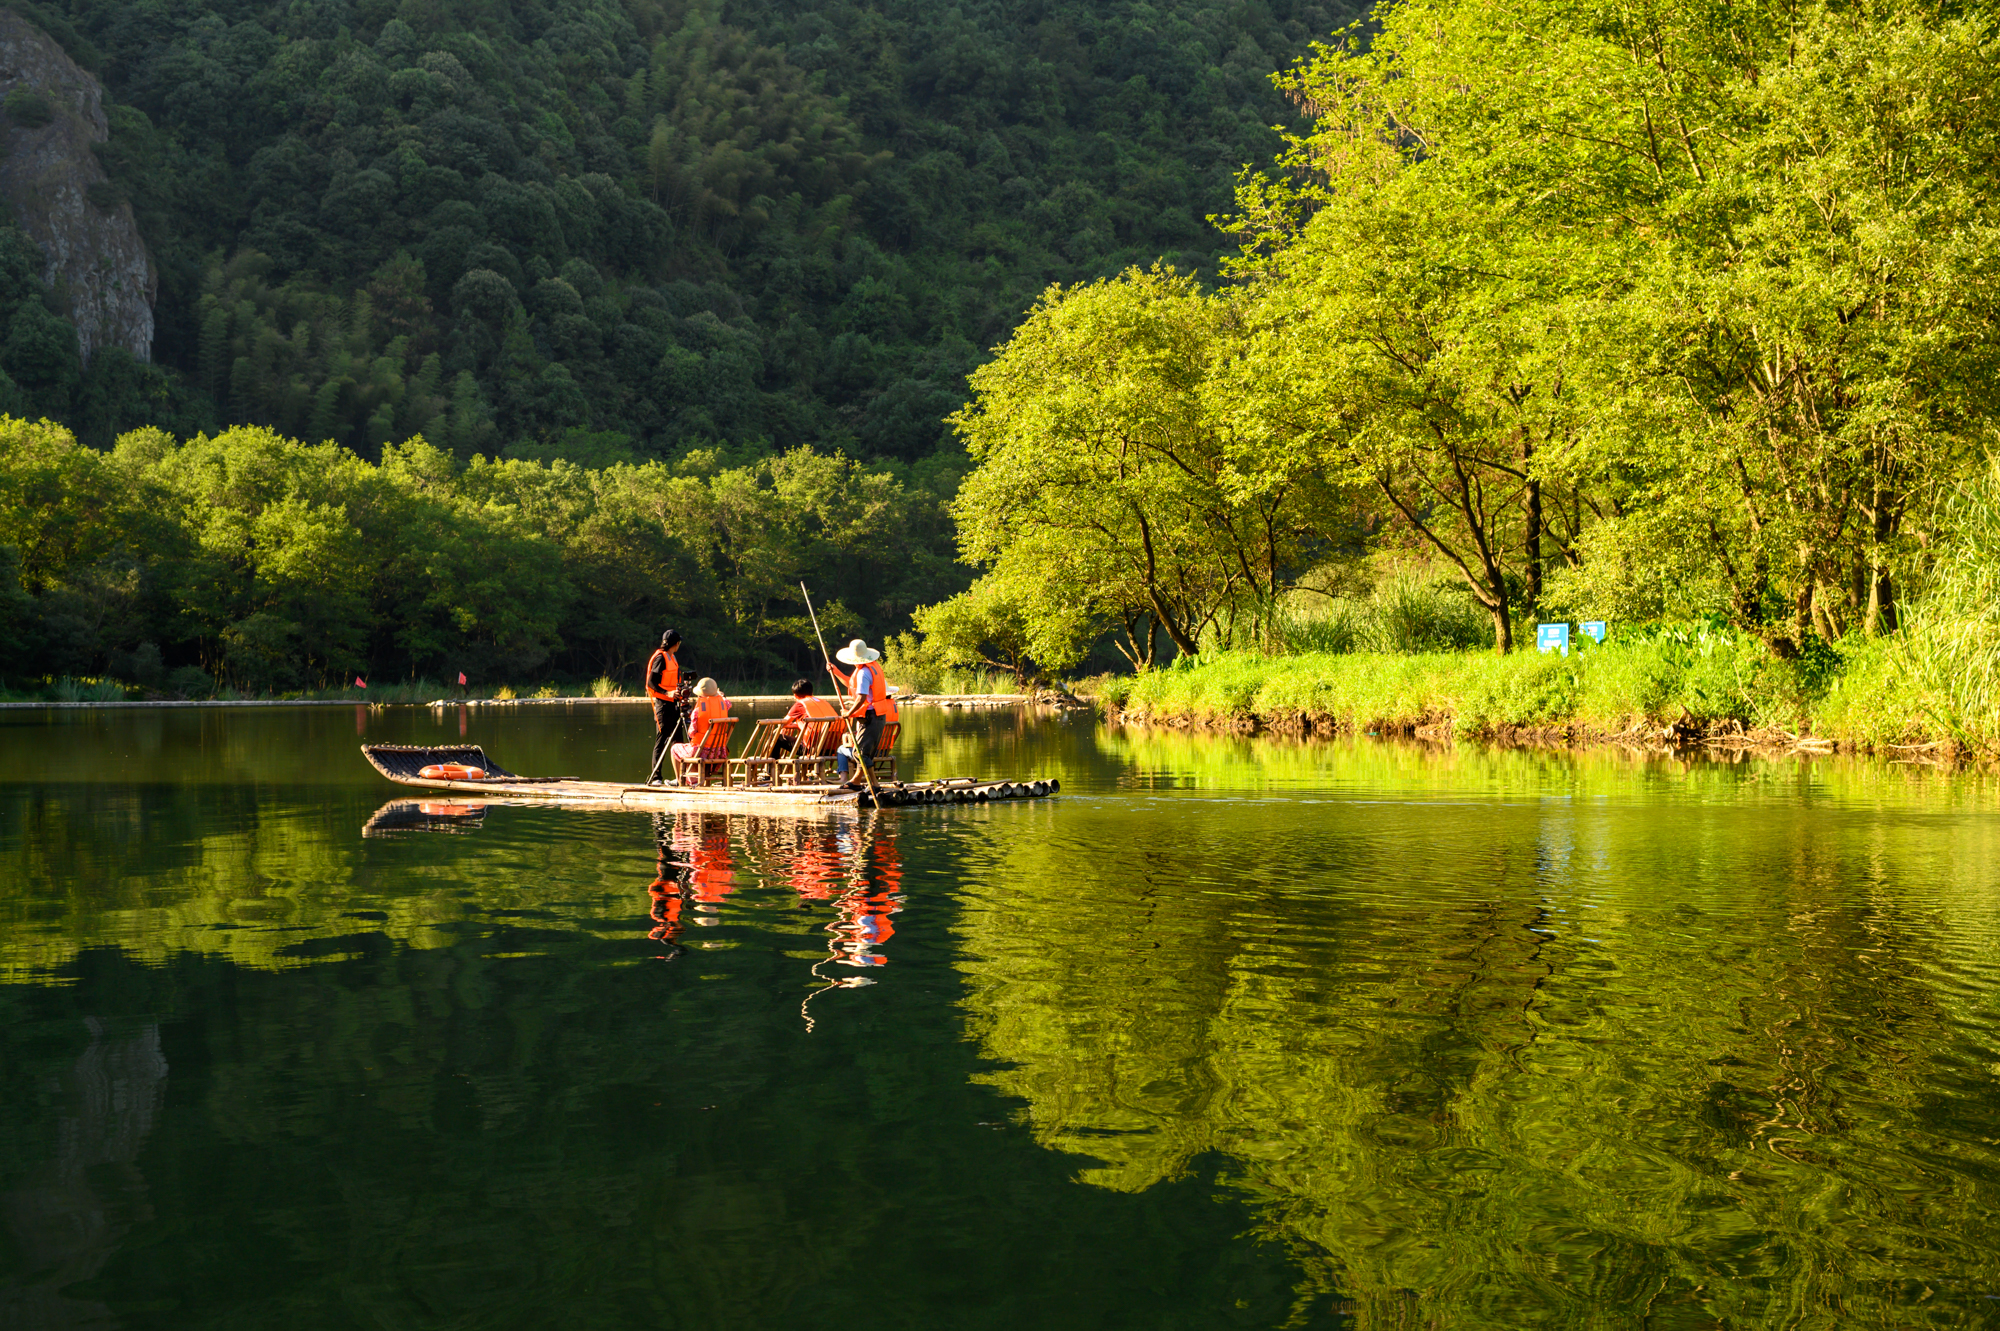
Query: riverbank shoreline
[(1562, 736), (1646, 693), (966, 700)]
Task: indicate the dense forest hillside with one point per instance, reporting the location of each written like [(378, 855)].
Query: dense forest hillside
[(597, 228), (736, 257)]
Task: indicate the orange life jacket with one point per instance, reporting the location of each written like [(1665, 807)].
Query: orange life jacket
[(878, 690), (811, 708), (826, 737), (670, 675), (707, 711)]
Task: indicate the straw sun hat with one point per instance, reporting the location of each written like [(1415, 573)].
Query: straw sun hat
[(857, 653)]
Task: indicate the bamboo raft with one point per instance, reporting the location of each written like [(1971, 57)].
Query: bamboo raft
[(402, 762)]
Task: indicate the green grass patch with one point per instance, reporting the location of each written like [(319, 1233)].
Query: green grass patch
[(1644, 677)]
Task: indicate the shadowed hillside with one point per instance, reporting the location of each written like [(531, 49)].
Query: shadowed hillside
[(593, 228)]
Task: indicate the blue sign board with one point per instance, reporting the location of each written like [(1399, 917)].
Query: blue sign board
[(1592, 629), (1552, 638)]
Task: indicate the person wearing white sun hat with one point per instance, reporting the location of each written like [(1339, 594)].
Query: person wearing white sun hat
[(870, 704)]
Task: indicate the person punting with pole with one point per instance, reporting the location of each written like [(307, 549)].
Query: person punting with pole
[(841, 677), (871, 707)]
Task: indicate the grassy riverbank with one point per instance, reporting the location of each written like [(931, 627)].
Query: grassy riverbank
[(1865, 693)]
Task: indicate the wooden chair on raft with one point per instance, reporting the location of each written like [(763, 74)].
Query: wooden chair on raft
[(884, 764), (826, 767), (810, 761), (764, 762), (759, 762), (709, 766)]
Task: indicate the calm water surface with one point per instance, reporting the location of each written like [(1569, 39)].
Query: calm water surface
[(1232, 1033)]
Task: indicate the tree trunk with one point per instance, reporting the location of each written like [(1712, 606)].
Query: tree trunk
[(1503, 627), (1881, 617), (1533, 549), (1823, 619), (1176, 632)]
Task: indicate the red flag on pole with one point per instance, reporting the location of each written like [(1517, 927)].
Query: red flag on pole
[(461, 679), (360, 683)]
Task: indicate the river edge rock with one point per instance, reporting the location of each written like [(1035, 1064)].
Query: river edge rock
[(95, 261)]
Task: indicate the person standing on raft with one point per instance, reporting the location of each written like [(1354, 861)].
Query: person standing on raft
[(663, 686), (871, 704)]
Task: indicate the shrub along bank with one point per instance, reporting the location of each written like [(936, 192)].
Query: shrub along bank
[(1696, 680)]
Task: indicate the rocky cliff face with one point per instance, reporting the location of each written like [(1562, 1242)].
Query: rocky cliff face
[(51, 180)]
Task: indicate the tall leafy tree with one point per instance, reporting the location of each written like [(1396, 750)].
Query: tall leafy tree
[(1723, 277), (1105, 492)]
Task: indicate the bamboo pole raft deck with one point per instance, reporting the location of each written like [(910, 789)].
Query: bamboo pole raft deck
[(401, 763)]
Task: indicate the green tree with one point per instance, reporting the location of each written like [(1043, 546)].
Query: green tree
[(1105, 481), (1719, 278), (994, 625), (1811, 354)]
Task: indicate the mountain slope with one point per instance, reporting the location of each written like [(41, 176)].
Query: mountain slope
[(594, 228)]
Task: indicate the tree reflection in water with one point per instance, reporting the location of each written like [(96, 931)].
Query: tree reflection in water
[(1238, 1031), (70, 1213)]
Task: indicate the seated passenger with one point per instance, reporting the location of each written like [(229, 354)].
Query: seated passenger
[(709, 708), (806, 706)]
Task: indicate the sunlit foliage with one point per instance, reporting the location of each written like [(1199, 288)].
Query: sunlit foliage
[(253, 560), (1618, 313)]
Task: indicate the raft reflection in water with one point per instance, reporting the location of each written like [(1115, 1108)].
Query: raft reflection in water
[(853, 868), (451, 816)]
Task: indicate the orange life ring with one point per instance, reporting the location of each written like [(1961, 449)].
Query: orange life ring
[(452, 772)]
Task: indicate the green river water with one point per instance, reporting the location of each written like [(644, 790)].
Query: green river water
[(1232, 1033)]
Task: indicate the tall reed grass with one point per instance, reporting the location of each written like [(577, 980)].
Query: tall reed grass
[(67, 689), (1950, 643), (1939, 676)]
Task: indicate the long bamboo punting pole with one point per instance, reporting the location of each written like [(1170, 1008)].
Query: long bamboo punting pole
[(853, 731)]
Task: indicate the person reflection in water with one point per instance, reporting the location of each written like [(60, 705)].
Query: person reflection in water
[(874, 893), (855, 870), (669, 892), (858, 870), (693, 874)]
